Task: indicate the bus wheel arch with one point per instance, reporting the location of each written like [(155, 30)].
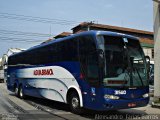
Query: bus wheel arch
[(73, 99)]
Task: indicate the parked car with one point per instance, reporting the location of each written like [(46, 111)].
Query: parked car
[(151, 77)]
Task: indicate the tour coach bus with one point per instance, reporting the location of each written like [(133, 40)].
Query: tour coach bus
[(97, 70)]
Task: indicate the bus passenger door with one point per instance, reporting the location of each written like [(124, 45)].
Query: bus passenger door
[(92, 70), (88, 58)]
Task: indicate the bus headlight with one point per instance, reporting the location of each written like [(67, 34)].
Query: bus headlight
[(146, 95), (111, 97)]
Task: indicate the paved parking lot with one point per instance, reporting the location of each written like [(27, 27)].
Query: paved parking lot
[(35, 108)]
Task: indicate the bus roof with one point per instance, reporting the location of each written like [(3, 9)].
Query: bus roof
[(92, 32)]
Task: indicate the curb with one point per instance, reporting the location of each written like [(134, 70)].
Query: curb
[(155, 105)]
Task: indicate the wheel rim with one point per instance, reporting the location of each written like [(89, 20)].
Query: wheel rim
[(75, 102), (21, 93), (16, 91)]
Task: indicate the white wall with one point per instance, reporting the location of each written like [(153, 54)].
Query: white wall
[(149, 52), (156, 19)]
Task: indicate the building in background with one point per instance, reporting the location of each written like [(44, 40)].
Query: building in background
[(4, 61), (146, 37), (10, 52), (156, 19), (63, 34)]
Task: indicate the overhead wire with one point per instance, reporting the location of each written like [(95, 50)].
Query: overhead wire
[(19, 36), (24, 33), (5, 39), (36, 19), (25, 36)]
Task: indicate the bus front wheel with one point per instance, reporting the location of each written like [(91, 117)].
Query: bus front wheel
[(74, 103)]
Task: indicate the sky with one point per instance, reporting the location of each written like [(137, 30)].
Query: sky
[(21, 20)]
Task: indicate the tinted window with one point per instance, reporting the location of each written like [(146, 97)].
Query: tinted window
[(88, 59), (67, 50)]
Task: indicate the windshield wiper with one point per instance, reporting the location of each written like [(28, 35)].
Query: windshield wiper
[(139, 76), (130, 61)]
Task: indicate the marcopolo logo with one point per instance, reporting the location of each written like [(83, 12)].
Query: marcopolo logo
[(43, 72)]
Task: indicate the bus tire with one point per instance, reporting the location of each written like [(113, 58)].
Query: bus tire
[(21, 92), (16, 91), (74, 103)]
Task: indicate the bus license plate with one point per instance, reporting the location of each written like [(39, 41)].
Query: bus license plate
[(131, 104)]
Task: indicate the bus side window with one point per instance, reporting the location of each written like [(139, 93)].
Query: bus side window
[(92, 68), (67, 51), (88, 60), (53, 52)]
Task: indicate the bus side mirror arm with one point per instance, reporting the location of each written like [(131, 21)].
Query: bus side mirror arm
[(148, 65), (100, 57), (147, 58)]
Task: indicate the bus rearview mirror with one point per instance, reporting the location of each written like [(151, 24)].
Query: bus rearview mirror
[(101, 57)]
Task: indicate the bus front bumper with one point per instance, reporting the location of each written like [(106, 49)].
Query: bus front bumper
[(124, 104)]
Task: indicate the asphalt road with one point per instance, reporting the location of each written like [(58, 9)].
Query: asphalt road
[(13, 108)]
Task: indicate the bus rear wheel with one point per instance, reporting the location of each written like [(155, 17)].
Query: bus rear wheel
[(16, 91), (74, 103), (21, 93)]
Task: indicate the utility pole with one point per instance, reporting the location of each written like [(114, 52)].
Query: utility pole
[(156, 5), (50, 32), (89, 24)]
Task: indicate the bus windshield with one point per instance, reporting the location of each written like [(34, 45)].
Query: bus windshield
[(124, 62)]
